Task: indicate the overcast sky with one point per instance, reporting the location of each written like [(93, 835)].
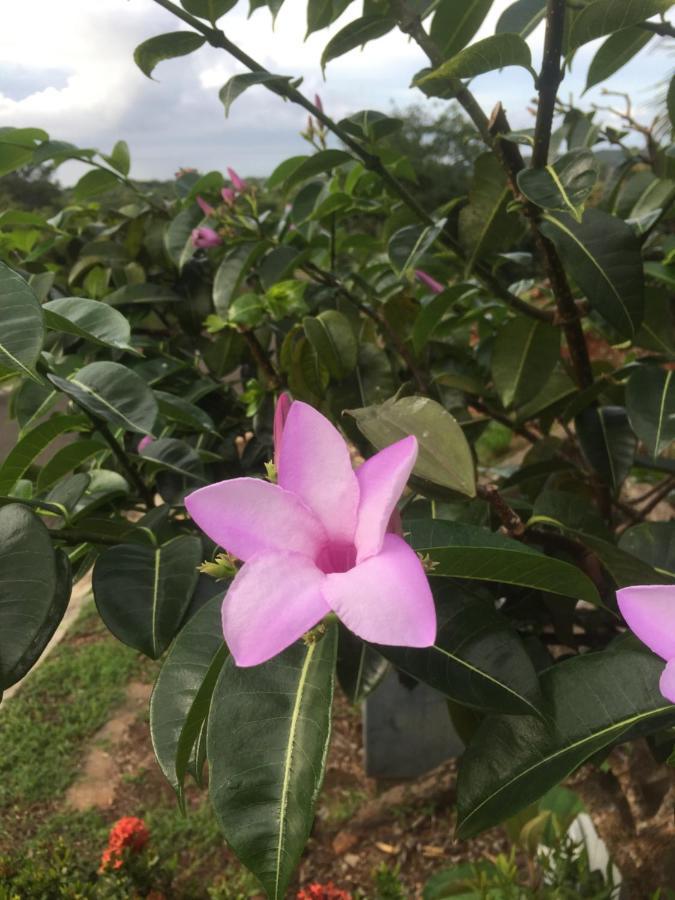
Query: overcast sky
[(66, 66)]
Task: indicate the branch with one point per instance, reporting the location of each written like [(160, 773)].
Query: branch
[(664, 29), (261, 358), (513, 524), (549, 81)]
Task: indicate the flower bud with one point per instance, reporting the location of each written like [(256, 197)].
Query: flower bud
[(205, 237), (238, 183), (205, 207)]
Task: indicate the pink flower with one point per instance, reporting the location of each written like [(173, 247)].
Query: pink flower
[(316, 543), (205, 207), (649, 611), (238, 183), (205, 237), (228, 196), (280, 415), (318, 103), (144, 442), (430, 282)]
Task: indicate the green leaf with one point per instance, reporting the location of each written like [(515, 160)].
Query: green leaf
[(654, 544), (119, 159), (178, 235), (356, 34), (607, 442), (284, 170), (97, 181), (432, 314), (564, 186), (454, 24), (522, 17), (240, 83), (603, 255), (670, 102), (323, 161), (657, 331), (524, 356), (184, 413), (266, 773), (176, 456), (619, 48), (603, 17), (491, 53), (32, 443), (650, 403), (90, 319), (360, 668), (166, 46), (112, 392), (197, 653), (478, 660), (21, 327), (211, 10), (231, 272), (333, 339), (444, 455), (485, 225), (142, 593), (471, 552), (593, 700), (66, 459), (407, 245), (63, 584), (27, 584), (141, 293), (322, 13)]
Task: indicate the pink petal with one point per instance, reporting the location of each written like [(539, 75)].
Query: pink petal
[(387, 598), (667, 682), (314, 463), (281, 411), (205, 207), (382, 479), (649, 611), (274, 599), (248, 515), (435, 286)]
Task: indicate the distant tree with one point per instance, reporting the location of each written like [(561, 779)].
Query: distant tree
[(31, 187)]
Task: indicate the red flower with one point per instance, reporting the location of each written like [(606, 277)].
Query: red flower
[(326, 891), (128, 832)]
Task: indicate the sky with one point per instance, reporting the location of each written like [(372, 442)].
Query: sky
[(66, 66)]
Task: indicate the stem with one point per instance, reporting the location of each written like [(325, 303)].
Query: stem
[(513, 524), (261, 358), (123, 460), (549, 81), (74, 537)]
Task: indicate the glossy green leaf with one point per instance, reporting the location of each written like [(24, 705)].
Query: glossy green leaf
[(112, 392), (66, 459), (356, 34), (119, 159), (564, 186), (322, 13), (184, 413), (176, 456), (485, 225), (601, 17), (593, 700), (650, 403), (657, 331), (265, 773), (670, 102), (603, 255), (94, 182), (231, 272), (142, 593), (211, 10), (236, 85), (62, 587), (166, 46), (32, 443), (407, 245), (524, 355), (178, 236), (478, 660), (21, 326), (522, 17), (444, 455), (90, 319), (491, 53), (619, 48), (454, 24), (471, 552), (360, 667), (197, 652), (141, 293), (333, 339), (323, 161), (607, 441), (654, 544), (27, 585)]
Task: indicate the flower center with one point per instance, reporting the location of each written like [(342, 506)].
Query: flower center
[(336, 557)]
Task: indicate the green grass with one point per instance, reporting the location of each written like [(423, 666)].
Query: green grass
[(62, 704), (493, 443)]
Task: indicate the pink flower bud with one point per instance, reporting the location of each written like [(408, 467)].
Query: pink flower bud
[(238, 183), (228, 196), (205, 207), (280, 414), (145, 442), (318, 103), (205, 237), (430, 282)]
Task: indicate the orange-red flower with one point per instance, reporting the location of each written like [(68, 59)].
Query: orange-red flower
[(128, 832), (326, 891)]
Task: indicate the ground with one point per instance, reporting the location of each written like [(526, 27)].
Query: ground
[(83, 716)]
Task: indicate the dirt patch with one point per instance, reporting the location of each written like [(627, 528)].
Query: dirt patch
[(96, 786)]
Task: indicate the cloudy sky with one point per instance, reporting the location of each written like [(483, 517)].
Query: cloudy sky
[(66, 66)]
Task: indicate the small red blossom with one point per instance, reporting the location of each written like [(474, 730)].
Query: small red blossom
[(326, 891), (128, 832)]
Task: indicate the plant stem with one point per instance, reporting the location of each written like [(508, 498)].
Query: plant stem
[(549, 81), (73, 536), (261, 358), (513, 524)]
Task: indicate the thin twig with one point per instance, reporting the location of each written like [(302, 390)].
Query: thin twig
[(261, 358)]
